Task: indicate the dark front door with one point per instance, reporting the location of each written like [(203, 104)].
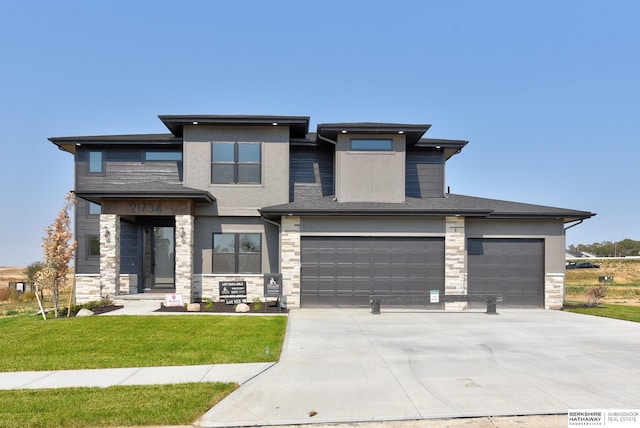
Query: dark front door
[(159, 258)]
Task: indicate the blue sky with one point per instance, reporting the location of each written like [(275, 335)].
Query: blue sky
[(546, 92)]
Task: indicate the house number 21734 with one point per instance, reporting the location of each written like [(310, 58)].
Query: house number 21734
[(145, 207)]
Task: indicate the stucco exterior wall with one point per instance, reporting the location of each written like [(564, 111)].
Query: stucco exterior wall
[(238, 199), (370, 176)]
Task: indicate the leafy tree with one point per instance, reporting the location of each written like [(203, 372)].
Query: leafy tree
[(626, 247), (58, 247), (32, 269)]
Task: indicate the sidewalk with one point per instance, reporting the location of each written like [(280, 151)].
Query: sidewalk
[(238, 373)]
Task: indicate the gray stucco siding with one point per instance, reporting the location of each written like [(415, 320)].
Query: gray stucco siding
[(372, 226), (203, 244), (239, 199), (551, 231)]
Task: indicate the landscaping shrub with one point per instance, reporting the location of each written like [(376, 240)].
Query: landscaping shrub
[(597, 294)]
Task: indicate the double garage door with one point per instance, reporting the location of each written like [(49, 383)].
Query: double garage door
[(344, 271)]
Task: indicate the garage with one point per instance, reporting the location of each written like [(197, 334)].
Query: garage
[(513, 268), (344, 271)]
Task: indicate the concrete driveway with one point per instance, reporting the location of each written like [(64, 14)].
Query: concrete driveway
[(347, 365)]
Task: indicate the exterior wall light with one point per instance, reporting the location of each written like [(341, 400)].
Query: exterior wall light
[(183, 235), (107, 235)]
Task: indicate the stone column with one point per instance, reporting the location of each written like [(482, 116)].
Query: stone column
[(454, 264), (184, 258), (290, 260), (109, 255), (554, 290)]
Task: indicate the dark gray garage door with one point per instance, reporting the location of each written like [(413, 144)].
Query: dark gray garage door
[(344, 271), (511, 267)]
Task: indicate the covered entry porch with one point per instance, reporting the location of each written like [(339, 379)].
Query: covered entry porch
[(146, 240)]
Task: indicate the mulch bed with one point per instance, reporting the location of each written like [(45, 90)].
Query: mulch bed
[(268, 307)]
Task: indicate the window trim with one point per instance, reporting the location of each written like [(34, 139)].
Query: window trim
[(89, 205), (164, 152), (373, 149), (237, 163), (89, 163), (88, 253), (236, 254)]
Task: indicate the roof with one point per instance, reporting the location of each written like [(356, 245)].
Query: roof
[(69, 144), (450, 205), (148, 189), (413, 132), (298, 125)]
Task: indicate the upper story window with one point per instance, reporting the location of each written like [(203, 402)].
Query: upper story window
[(94, 209), (95, 162), (371, 144), (236, 163), (163, 156), (237, 253)]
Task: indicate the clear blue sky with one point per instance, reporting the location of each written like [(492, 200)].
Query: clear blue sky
[(546, 92)]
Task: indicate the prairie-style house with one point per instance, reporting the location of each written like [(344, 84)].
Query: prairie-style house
[(336, 215)]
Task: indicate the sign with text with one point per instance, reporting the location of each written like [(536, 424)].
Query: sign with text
[(435, 296), (232, 288), (235, 300), (272, 285), (173, 300)]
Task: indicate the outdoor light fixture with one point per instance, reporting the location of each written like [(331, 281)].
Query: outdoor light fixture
[(183, 235), (107, 234)]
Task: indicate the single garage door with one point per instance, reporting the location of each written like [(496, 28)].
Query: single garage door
[(344, 271), (511, 267)]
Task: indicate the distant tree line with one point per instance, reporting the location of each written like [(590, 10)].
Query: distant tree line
[(624, 248)]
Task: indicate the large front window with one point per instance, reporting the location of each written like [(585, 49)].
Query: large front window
[(236, 163), (237, 253)]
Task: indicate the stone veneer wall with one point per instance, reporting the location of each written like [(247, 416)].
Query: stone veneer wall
[(128, 283), (184, 237), (209, 286), (290, 260), (553, 290), (455, 261), (110, 255), (87, 288)]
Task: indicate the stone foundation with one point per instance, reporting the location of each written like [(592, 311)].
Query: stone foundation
[(87, 288), (553, 290)]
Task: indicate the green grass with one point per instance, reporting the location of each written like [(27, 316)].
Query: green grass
[(621, 312), (114, 406), (30, 343)]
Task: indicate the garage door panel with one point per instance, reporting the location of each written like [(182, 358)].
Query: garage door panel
[(513, 268), (361, 266)]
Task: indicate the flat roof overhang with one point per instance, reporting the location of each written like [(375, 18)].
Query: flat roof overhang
[(298, 125), (70, 144), (195, 195), (412, 132)]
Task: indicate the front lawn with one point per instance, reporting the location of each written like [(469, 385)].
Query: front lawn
[(29, 343), (107, 407), (621, 312)]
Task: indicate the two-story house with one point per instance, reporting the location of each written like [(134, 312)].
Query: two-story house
[(351, 210)]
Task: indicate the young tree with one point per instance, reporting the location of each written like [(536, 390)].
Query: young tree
[(58, 247)]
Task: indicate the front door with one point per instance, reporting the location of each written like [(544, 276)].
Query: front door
[(159, 257)]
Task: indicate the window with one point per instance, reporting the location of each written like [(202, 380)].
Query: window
[(95, 162), (236, 163), (163, 156), (93, 245), (94, 209), (371, 144), (237, 253)]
